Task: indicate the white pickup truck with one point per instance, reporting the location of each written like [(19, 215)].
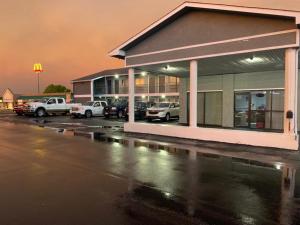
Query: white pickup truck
[(88, 109), (48, 106)]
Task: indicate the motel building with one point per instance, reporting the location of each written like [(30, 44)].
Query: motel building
[(113, 84), (237, 70)]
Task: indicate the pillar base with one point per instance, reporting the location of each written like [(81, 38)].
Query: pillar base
[(243, 137)]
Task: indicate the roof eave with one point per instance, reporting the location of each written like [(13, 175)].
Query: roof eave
[(117, 53), (77, 81)]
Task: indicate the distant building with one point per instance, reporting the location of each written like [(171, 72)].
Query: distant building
[(9, 99)]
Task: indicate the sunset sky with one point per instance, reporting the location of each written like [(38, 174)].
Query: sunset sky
[(71, 38)]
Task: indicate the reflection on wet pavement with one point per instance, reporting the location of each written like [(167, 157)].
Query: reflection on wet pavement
[(80, 177), (216, 190)]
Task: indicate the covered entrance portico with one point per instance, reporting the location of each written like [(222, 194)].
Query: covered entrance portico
[(236, 85), (247, 98)]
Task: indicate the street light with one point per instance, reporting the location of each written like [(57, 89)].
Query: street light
[(37, 68)]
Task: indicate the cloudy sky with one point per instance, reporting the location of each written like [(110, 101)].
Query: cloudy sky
[(71, 38)]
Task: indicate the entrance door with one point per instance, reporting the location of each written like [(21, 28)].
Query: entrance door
[(241, 109), (250, 109), (258, 109)]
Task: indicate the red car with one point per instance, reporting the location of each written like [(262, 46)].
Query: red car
[(18, 109)]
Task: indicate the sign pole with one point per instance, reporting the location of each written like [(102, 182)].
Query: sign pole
[(38, 79), (37, 68)]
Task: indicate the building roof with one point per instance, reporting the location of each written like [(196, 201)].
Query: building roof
[(7, 89), (40, 96), (119, 52), (119, 71)]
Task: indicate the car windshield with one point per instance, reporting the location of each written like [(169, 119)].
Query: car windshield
[(88, 103), (140, 104), (45, 100), (118, 103), (162, 105)]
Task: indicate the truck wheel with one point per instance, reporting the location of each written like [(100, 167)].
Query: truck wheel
[(120, 114), (88, 114), (41, 112), (149, 119)]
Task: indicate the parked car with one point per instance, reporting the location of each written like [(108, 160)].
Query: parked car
[(116, 108), (163, 111), (88, 109), (48, 106), (18, 109), (140, 109)]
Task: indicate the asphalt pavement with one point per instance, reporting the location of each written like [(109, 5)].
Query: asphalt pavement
[(60, 172)]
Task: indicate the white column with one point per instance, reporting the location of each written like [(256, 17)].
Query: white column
[(291, 90), (183, 88), (105, 83), (148, 80), (92, 90), (113, 88), (131, 95), (193, 92)]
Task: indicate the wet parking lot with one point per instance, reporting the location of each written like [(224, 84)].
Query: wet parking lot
[(57, 171)]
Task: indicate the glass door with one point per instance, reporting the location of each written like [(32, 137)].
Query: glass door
[(241, 109), (258, 109)]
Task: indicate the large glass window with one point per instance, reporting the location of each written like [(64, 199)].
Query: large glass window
[(123, 87), (172, 84), (259, 109), (210, 108), (162, 84), (99, 87), (140, 85), (109, 86), (152, 84), (117, 85)]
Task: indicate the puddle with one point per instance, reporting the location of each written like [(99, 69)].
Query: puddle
[(41, 121)]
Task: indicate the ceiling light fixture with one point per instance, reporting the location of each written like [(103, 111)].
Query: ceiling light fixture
[(253, 59)]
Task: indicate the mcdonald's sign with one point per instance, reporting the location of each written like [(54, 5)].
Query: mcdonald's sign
[(37, 67)]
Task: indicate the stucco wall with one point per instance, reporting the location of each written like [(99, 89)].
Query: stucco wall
[(82, 100), (201, 33), (228, 100), (259, 80), (203, 26), (82, 88)]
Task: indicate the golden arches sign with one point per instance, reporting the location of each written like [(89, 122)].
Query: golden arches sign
[(37, 67)]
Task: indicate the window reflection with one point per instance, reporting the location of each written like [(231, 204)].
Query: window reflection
[(210, 108)]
